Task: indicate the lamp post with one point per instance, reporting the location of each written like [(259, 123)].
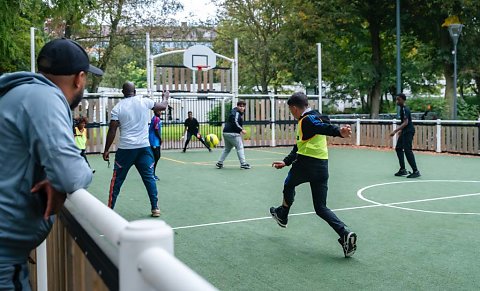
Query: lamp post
[(455, 30)]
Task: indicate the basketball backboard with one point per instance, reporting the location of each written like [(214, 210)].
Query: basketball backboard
[(199, 57)]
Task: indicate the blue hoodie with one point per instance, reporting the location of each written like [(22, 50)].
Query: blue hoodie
[(36, 143)]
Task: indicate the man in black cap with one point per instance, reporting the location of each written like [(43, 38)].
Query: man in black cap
[(40, 162)]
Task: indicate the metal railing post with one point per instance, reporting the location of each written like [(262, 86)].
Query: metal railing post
[(272, 120), (439, 136), (357, 142), (137, 237), (394, 138)]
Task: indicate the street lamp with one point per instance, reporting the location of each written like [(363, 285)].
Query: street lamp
[(455, 30)]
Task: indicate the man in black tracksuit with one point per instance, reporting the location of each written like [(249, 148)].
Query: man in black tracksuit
[(192, 129), (309, 160), (405, 139)]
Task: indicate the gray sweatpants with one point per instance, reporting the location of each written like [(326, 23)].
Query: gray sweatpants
[(233, 140)]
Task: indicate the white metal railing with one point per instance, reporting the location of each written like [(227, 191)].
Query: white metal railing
[(144, 253), (394, 122)]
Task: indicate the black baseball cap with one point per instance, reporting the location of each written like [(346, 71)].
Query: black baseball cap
[(64, 57)]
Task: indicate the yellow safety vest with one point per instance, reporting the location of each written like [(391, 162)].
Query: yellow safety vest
[(81, 138), (315, 147)]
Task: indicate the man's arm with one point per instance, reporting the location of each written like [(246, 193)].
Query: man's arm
[(311, 126), (402, 126), (288, 160), (112, 132), (235, 120)]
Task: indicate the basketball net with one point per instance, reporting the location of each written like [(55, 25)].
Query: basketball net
[(200, 68)]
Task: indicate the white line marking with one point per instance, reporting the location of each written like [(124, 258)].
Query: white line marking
[(359, 194), (392, 205)]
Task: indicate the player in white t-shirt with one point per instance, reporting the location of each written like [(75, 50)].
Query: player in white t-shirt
[(131, 115)]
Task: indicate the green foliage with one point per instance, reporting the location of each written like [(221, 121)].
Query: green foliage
[(438, 106), (213, 115), (467, 111), (16, 19), (258, 25)]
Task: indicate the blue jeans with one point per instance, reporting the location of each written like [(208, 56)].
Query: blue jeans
[(315, 171), (143, 160), (14, 277)]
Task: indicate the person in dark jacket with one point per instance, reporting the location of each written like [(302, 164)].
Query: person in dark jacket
[(309, 160), (403, 147), (39, 158), (232, 136), (192, 128)]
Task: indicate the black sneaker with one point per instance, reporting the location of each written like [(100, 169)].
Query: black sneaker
[(245, 166), (401, 172), (209, 149), (219, 165), (349, 244), (277, 216), (415, 174)]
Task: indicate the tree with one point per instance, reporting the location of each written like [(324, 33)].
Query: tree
[(258, 25), (424, 19), (16, 18)]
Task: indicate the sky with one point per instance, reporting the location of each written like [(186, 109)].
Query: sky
[(200, 10)]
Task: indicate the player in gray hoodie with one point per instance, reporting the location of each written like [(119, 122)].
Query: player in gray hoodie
[(39, 160)]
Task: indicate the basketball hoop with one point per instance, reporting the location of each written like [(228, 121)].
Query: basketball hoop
[(200, 68)]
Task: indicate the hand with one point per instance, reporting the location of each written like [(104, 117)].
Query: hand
[(199, 136), (55, 199), (165, 95), (346, 131), (395, 132), (278, 164), (106, 156), (244, 131)]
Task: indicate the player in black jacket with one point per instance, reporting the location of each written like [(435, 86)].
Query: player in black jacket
[(232, 135), (405, 140), (192, 129)]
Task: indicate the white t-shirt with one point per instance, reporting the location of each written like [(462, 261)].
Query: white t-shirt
[(133, 115)]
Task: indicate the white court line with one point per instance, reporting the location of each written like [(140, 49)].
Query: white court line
[(266, 217), (392, 205), (376, 204)]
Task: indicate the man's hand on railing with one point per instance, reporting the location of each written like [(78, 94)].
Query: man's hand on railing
[(53, 199)]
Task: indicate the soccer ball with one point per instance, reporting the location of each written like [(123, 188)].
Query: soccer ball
[(212, 140)]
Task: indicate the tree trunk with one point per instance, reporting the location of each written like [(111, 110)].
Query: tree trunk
[(112, 43), (446, 45), (376, 91)]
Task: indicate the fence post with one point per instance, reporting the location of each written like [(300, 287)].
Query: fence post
[(103, 100), (358, 132), (137, 237), (272, 119), (439, 136), (394, 138)]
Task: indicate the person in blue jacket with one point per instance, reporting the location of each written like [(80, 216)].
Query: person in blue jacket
[(39, 158)]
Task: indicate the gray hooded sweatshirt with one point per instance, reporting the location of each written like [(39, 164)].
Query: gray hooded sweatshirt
[(36, 143)]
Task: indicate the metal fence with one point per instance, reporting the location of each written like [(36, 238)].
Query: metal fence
[(269, 123)]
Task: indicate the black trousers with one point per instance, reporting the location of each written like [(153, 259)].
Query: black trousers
[(404, 148), (315, 172), (189, 137), (157, 154)]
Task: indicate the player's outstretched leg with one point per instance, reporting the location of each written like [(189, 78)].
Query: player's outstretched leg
[(280, 214)]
